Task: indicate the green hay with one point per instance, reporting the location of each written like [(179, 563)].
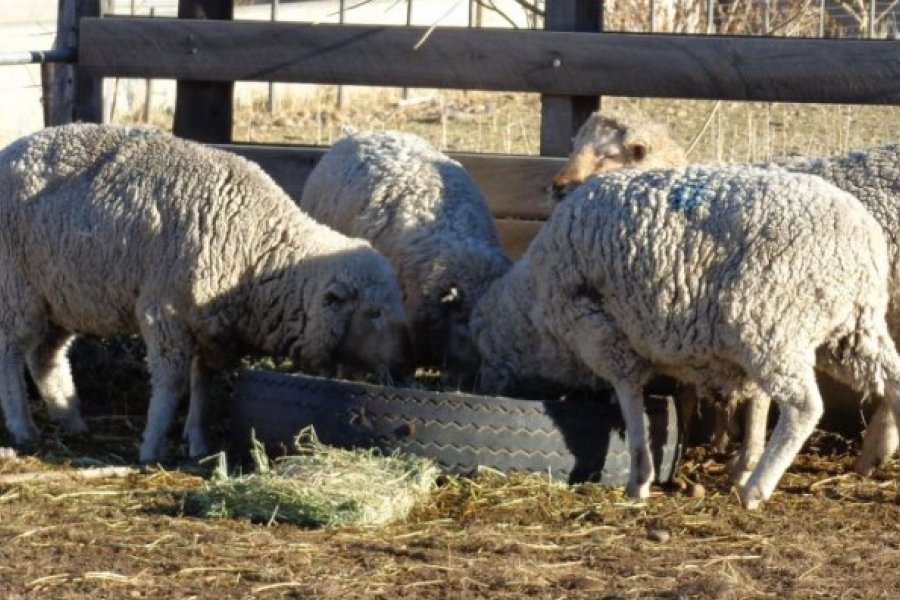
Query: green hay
[(319, 486)]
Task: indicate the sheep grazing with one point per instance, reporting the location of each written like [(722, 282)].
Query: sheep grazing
[(110, 230), (423, 211), (612, 140), (725, 278), (873, 176)]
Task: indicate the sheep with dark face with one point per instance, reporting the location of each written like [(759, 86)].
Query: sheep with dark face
[(423, 211), (110, 230), (726, 278)]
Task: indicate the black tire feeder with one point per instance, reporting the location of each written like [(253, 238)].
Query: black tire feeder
[(575, 439)]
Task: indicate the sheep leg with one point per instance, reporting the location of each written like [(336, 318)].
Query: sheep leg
[(48, 364), (880, 440), (605, 350), (756, 416), (801, 408), (169, 354), (14, 396), (194, 428)]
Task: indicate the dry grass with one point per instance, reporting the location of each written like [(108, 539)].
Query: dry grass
[(318, 486), (826, 533)]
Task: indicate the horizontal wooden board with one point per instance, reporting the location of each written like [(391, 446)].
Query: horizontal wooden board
[(514, 185), (566, 63), (516, 235)]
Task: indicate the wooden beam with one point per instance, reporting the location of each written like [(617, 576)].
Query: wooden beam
[(68, 93), (561, 116), (203, 109), (514, 185), (619, 64)]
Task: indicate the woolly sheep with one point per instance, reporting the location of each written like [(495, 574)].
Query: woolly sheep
[(615, 139), (873, 176), (721, 277), (110, 230), (423, 211)]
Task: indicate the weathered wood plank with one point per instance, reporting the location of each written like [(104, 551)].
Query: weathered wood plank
[(516, 235), (561, 116), (514, 185), (203, 109), (727, 67), (69, 95)]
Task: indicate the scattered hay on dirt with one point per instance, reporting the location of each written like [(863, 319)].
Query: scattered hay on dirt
[(320, 486)]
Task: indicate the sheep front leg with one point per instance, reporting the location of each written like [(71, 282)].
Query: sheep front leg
[(48, 364), (607, 352), (795, 389), (14, 396), (169, 353), (194, 427)]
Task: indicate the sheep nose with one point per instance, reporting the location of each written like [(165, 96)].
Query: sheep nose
[(557, 190)]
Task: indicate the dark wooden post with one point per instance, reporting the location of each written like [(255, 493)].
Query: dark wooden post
[(203, 109), (561, 116), (67, 94)]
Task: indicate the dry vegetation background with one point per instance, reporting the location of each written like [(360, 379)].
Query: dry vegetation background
[(827, 533)]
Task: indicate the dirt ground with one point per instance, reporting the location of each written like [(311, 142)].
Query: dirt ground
[(827, 533)]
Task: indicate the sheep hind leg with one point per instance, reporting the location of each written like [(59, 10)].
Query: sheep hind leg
[(880, 440), (14, 396), (756, 416), (49, 366), (169, 355), (194, 426), (794, 386)]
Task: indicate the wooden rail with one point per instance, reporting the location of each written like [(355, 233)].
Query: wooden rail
[(514, 185), (549, 62)]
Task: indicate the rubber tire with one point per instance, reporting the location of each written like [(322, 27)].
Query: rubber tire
[(576, 440)]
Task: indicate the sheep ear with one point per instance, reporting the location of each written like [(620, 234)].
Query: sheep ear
[(337, 292), (639, 149), (452, 297)]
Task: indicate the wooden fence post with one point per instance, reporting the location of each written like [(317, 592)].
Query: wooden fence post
[(561, 116), (203, 109), (67, 94)]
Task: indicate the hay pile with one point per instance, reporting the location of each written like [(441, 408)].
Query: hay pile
[(319, 486)]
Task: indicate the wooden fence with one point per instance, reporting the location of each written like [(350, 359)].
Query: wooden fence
[(569, 63)]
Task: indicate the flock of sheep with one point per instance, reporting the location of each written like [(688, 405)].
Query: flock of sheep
[(739, 281)]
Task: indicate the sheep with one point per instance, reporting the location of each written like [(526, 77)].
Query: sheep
[(112, 230), (423, 211), (873, 176), (616, 139), (725, 278)]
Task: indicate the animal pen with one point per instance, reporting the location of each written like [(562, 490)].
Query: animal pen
[(571, 63)]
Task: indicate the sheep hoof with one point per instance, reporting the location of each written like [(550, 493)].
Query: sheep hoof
[(27, 438), (638, 490), (151, 455), (864, 466), (751, 497), (199, 449), (74, 426)]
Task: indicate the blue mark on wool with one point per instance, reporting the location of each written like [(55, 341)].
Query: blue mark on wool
[(689, 192)]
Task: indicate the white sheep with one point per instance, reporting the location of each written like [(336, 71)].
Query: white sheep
[(615, 139), (110, 230), (424, 212), (631, 140), (721, 277)]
